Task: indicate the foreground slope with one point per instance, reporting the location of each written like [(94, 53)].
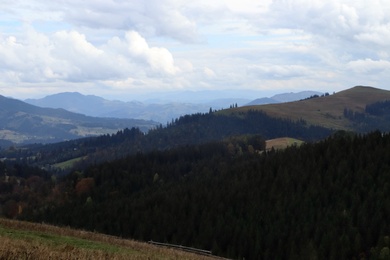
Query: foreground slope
[(24, 240), (327, 111), (323, 200)]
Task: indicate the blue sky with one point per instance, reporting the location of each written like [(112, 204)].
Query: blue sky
[(118, 49)]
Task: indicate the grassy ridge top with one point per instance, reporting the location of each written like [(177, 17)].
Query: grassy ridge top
[(24, 240), (324, 111)]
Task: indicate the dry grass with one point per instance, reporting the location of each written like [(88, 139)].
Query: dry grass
[(24, 240), (281, 143), (324, 111)]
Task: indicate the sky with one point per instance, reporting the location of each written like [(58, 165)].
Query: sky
[(119, 49)]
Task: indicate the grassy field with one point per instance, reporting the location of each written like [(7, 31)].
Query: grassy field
[(324, 111), (281, 143), (67, 164), (24, 240)]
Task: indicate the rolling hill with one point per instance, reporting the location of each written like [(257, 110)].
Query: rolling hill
[(162, 111), (327, 111), (99, 107), (24, 123)]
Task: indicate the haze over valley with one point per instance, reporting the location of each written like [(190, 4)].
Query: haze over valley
[(162, 109)]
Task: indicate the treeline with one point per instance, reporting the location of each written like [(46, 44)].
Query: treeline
[(325, 200), (186, 130), (316, 96), (375, 116)]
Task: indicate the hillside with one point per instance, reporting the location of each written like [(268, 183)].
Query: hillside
[(186, 130), (24, 240), (24, 123), (327, 111), (323, 200)]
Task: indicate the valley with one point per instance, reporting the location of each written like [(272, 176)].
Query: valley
[(298, 180)]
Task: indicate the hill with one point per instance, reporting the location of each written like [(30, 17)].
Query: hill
[(327, 111), (25, 240), (24, 123), (323, 200), (187, 130)]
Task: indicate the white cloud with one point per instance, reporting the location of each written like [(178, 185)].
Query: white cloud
[(209, 72), (368, 66), (270, 71), (159, 59), (69, 56), (216, 44)]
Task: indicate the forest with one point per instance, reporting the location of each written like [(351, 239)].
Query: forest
[(326, 200), (375, 116), (187, 130)]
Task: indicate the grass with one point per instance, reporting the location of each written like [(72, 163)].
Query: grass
[(67, 164), (324, 111), (24, 240), (282, 143)]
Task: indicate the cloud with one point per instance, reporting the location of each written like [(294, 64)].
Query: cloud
[(209, 72), (159, 59), (277, 71), (153, 17), (368, 66), (69, 56), (110, 44)]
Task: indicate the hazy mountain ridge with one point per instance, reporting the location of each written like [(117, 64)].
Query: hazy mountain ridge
[(283, 97), (25, 123), (163, 109)]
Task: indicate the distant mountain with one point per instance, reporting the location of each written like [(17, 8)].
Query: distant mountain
[(284, 97), (262, 101), (289, 97), (24, 123), (161, 112)]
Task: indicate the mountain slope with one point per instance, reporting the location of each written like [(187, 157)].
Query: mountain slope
[(24, 123), (326, 111), (327, 199), (161, 112)]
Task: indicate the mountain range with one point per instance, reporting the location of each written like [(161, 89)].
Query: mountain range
[(206, 175), (161, 110), (24, 123)]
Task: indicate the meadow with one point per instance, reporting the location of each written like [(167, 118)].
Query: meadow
[(25, 240)]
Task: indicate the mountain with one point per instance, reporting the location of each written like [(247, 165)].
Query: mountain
[(284, 97), (262, 101), (206, 181), (161, 112), (289, 97), (330, 110), (163, 108), (24, 123)]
